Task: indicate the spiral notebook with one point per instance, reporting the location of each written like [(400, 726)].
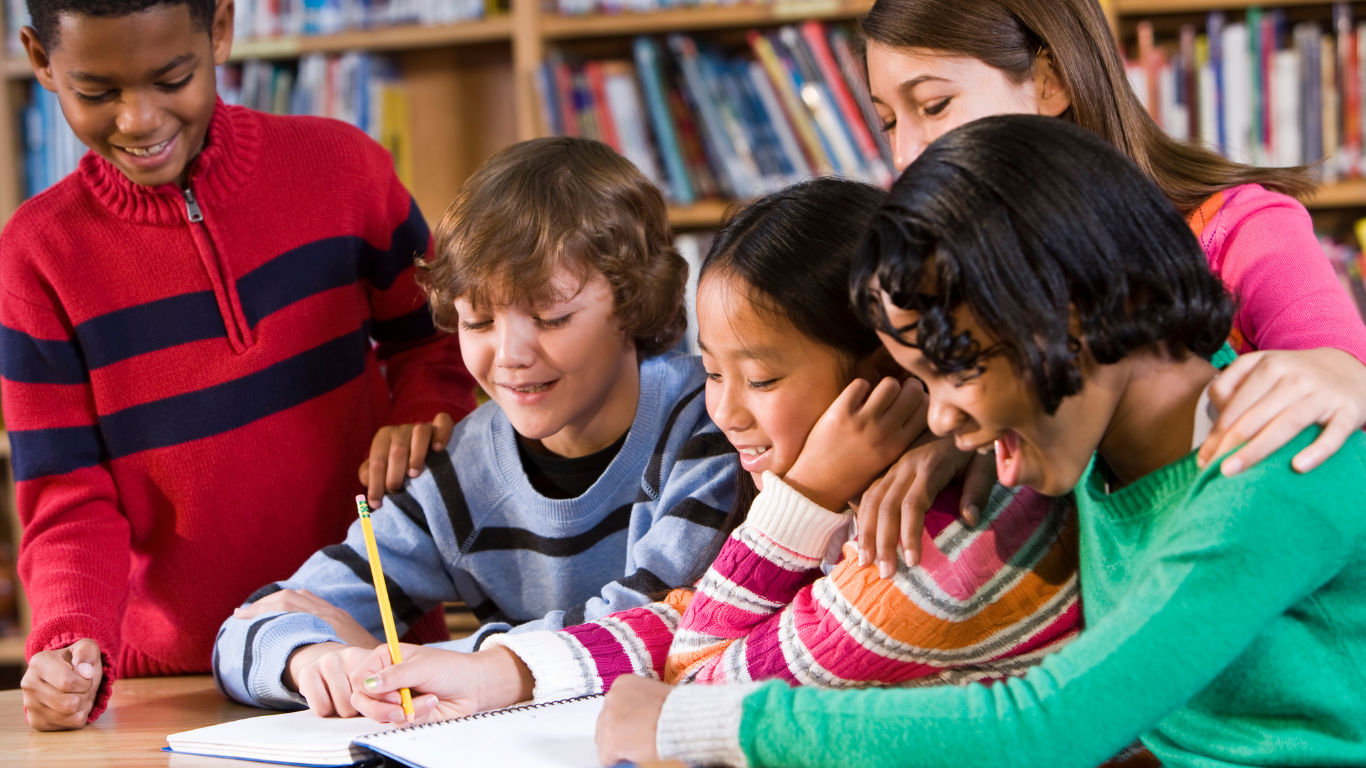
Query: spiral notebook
[(557, 734)]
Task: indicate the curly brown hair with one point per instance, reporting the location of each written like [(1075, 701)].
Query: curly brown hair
[(554, 203)]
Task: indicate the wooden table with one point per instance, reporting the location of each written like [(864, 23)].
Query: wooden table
[(132, 731)]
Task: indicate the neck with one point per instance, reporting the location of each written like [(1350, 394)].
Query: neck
[(608, 423), (1153, 423)]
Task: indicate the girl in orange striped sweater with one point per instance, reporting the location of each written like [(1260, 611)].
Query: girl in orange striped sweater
[(787, 365)]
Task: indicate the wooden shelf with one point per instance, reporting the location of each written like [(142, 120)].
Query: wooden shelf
[(16, 68), (495, 29), (12, 651), (706, 214), (1342, 194), (1135, 7), (555, 27)]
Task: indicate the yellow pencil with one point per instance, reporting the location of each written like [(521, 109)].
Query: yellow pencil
[(382, 592)]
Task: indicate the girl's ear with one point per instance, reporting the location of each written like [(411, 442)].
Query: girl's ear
[(878, 366), (1049, 88)]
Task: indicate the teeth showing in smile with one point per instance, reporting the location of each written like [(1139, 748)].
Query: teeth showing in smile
[(754, 451), (530, 389), (147, 151)]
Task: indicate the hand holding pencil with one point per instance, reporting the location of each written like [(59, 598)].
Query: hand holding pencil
[(382, 593)]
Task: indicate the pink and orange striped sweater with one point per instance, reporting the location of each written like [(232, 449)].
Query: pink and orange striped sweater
[(985, 602)]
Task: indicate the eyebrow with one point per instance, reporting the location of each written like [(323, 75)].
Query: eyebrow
[(912, 84), (752, 353), (178, 61)]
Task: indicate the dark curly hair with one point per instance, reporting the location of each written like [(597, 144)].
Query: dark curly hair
[(561, 202), (45, 13), (1024, 219)]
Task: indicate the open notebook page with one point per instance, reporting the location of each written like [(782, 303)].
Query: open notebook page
[(553, 735), (297, 738)]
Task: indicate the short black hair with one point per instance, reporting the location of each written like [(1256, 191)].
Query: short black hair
[(46, 13), (1023, 218)]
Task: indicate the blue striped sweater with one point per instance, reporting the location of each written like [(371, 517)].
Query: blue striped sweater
[(472, 528)]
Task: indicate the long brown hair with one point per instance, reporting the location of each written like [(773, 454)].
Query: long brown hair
[(1009, 34)]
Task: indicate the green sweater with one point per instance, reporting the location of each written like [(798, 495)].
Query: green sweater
[(1225, 625)]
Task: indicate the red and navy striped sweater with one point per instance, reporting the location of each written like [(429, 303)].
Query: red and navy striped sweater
[(171, 360)]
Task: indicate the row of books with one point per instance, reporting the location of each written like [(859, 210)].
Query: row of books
[(272, 18), (51, 150), (16, 18), (362, 89), (585, 7), (702, 123), (1261, 90)]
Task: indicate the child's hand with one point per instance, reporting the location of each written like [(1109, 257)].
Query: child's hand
[(401, 447), (60, 686), (444, 684), (321, 674), (858, 436), (302, 601), (1265, 399), (629, 720), (897, 502)]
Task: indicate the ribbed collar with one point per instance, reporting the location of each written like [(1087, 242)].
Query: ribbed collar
[(231, 149), (1151, 493)]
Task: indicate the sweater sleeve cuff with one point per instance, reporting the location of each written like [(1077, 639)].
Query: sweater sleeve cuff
[(793, 521), (700, 724), (270, 650), (65, 630), (559, 664)]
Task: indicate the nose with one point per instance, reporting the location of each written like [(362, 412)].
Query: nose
[(138, 113), (907, 145), (727, 409), (943, 417), (516, 344)]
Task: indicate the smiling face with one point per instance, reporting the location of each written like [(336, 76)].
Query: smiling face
[(998, 408), (767, 383), (138, 89), (565, 373), (922, 94)]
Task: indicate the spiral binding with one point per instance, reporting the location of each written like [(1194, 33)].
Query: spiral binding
[(480, 715)]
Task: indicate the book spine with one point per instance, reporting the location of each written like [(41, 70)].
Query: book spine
[(813, 33), (647, 55)]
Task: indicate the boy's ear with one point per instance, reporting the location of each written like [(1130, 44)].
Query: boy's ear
[(220, 34), (38, 58)]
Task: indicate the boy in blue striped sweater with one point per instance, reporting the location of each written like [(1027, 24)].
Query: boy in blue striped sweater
[(592, 479)]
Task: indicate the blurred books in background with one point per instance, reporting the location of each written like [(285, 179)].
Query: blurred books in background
[(1259, 89), (703, 122)]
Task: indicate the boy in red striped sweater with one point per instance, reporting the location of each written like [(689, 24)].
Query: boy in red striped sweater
[(216, 310)]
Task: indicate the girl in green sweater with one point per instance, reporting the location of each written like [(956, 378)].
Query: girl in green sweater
[(1059, 309)]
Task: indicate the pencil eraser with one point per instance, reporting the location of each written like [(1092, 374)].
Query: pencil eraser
[(360, 498)]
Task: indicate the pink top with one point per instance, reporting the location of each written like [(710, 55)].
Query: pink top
[(1262, 245)]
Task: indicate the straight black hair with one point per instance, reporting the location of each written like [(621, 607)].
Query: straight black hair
[(792, 250), (1024, 220)]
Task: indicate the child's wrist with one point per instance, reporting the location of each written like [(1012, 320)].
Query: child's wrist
[(802, 482), (301, 657), (506, 679)]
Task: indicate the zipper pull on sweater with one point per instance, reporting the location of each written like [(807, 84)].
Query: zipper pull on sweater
[(192, 207)]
